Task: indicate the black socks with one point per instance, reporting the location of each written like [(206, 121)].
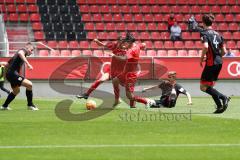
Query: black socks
[(9, 99), (215, 95), (29, 95)]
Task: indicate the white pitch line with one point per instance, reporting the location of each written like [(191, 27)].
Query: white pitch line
[(120, 146)]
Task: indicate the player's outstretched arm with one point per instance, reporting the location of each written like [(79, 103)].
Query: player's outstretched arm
[(150, 88), (100, 43), (21, 54), (189, 98)]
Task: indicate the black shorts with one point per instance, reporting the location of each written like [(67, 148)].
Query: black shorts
[(210, 73), (14, 78)]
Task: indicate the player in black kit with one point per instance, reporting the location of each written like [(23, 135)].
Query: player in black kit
[(16, 80), (213, 49), (170, 92)]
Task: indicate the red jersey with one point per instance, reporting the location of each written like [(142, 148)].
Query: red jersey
[(117, 65), (133, 58)]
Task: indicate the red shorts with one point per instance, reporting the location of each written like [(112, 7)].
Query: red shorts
[(207, 83), (128, 80)]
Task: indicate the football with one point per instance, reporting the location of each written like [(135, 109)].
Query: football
[(91, 104)]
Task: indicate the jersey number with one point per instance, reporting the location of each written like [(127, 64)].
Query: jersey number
[(215, 41)]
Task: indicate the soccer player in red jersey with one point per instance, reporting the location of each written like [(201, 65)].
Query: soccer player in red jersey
[(129, 75), (110, 71)]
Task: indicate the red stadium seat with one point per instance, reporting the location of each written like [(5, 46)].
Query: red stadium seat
[(237, 17), (149, 44), (86, 18), (13, 17), (186, 35), (202, 2), (198, 44), (35, 17), (24, 17), (162, 27), (89, 26), (100, 26), (87, 52), (136, 9), (11, 8), (84, 8), (141, 26), (62, 44), (131, 26), (158, 17), (37, 26), (227, 35), (102, 2), (165, 9), (172, 53), (233, 27), (84, 45), (165, 35), (193, 53), (235, 9), (55, 53), (94, 9), (81, 2), (182, 2), (73, 44), (94, 45), (107, 17), (223, 27), (32, 8), (91, 35), (158, 44), (183, 26), (216, 9), (132, 2), (92, 2), (115, 9), (146, 9), (65, 53), (97, 17), (98, 53), (110, 26), (236, 35), (151, 53), (52, 44), (144, 35), (189, 44), (3, 8), (125, 9), (178, 44), (231, 44), (43, 53), (179, 17), (229, 18), (195, 9), (222, 2), (112, 35), (20, 1), (155, 9), (212, 2), (112, 2), (142, 53), (168, 44), (162, 53), (30, 1), (238, 45), (182, 53), (155, 35), (138, 17), (117, 18), (128, 18), (22, 8), (143, 2), (225, 9), (148, 18), (152, 26), (219, 18), (102, 35), (104, 9), (176, 9), (195, 35), (232, 2), (185, 9), (76, 53), (120, 26), (206, 9)]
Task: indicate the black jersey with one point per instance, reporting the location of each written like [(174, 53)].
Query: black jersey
[(215, 43), (16, 62), (167, 87)]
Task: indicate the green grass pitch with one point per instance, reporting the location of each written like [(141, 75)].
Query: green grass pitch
[(40, 135)]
